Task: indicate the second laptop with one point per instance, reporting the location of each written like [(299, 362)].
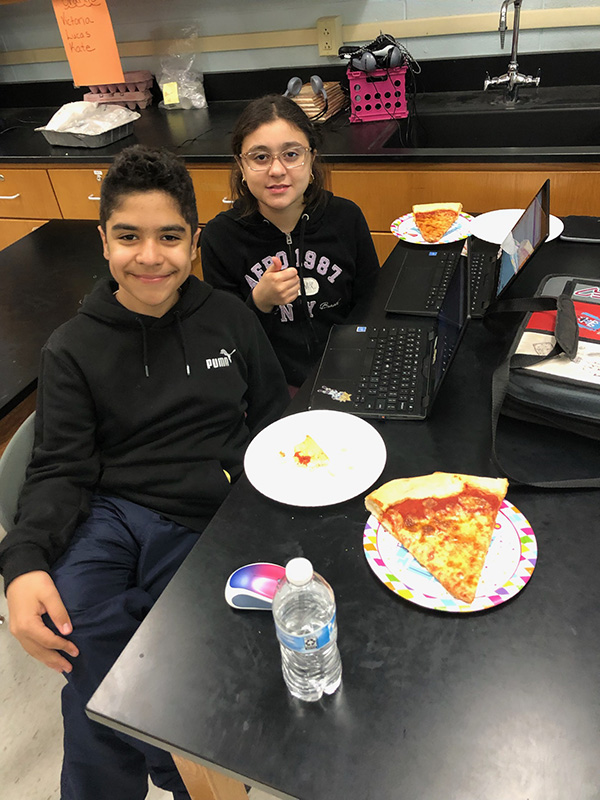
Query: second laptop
[(425, 272)]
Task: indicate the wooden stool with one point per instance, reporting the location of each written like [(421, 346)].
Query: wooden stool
[(206, 784)]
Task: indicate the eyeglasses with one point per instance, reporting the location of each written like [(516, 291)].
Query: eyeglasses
[(261, 160)]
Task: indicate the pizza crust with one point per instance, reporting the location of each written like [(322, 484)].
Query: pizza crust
[(437, 484)]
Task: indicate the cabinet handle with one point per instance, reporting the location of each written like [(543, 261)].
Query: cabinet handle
[(93, 197), (226, 201), (10, 197)]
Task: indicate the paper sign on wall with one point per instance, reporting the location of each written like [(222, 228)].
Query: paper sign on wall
[(89, 40)]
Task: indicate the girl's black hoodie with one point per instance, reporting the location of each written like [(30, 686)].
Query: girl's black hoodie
[(149, 409), (332, 248)]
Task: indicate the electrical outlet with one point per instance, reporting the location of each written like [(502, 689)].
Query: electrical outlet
[(329, 35)]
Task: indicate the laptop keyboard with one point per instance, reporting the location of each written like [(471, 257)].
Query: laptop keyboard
[(393, 384), (480, 265), (448, 260)]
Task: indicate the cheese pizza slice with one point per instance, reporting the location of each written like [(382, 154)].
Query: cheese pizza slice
[(434, 219), (445, 520)]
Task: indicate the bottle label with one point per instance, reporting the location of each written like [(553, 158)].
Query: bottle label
[(309, 643)]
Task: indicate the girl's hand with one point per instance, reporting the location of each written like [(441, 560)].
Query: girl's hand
[(276, 287)]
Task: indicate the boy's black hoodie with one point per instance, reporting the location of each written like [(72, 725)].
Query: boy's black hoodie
[(149, 409), (332, 248)]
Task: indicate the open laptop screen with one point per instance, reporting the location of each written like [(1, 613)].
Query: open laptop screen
[(452, 319), (528, 234)]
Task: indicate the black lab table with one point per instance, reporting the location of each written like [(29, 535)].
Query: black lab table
[(43, 279), (502, 703)]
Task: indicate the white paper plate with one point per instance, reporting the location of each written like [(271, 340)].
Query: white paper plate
[(508, 566), (494, 226), (356, 451)]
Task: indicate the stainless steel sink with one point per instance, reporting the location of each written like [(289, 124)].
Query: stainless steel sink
[(556, 120), (499, 128)]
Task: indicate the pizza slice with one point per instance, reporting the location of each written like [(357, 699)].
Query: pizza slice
[(445, 521), (434, 219), (309, 454)]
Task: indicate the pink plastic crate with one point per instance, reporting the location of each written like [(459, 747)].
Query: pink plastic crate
[(378, 95)]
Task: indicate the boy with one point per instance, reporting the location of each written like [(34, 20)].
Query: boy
[(147, 399)]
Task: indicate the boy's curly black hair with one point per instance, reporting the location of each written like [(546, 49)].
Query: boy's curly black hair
[(141, 169)]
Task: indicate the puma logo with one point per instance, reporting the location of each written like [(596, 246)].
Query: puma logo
[(222, 360)]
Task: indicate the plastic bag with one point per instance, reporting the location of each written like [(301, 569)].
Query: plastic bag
[(89, 118), (182, 85)]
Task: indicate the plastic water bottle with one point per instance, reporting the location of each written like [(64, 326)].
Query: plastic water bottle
[(305, 623)]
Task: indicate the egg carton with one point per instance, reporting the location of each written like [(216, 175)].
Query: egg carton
[(129, 99), (132, 82)]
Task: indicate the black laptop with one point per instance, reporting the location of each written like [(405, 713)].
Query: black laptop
[(422, 280), (491, 274), (425, 272), (393, 371)]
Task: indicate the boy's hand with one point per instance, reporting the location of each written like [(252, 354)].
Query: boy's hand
[(29, 596), (276, 287)]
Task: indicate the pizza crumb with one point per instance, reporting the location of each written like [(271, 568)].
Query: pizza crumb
[(308, 454)]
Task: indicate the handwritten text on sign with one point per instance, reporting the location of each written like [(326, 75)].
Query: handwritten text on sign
[(89, 40)]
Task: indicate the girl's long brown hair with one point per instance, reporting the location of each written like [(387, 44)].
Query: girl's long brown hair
[(259, 112)]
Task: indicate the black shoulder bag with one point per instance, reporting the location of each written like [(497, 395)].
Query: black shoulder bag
[(558, 398)]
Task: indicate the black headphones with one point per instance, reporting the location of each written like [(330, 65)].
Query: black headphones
[(361, 59), (382, 53)]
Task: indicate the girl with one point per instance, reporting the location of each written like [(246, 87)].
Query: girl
[(297, 255)]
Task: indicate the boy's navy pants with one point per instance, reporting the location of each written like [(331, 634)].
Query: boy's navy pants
[(117, 564)]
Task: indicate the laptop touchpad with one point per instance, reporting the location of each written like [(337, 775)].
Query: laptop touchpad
[(345, 364)]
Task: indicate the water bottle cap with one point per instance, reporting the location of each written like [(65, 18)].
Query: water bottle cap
[(299, 571)]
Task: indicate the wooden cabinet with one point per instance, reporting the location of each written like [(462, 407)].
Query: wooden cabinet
[(27, 194), (11, 230), (211, 185), (386, 191), (35, 194), (384, 244), (78, 190), (27, 201), (74, 193)]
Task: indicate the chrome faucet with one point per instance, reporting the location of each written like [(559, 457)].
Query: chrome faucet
[(512, 80)]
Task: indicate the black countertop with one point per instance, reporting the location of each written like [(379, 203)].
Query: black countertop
[(439, 706), (202, 136), (44, 277)]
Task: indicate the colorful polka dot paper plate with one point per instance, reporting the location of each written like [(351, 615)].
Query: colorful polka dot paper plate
[(510, 562), (404, 228)]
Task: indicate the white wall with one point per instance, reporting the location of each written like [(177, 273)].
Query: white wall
[(31, 25)]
